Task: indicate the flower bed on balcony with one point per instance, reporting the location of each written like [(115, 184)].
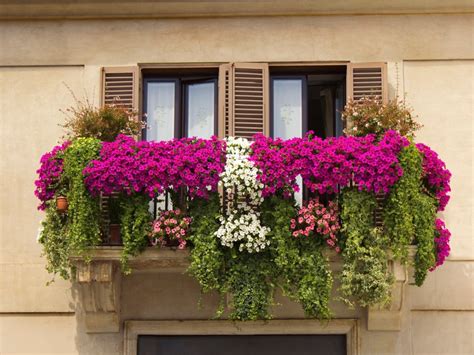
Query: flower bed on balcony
[(234, 209)]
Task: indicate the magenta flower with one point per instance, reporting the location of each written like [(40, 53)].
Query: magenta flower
[(49, 174), (442, 237)]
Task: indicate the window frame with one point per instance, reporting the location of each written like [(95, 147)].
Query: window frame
[(181, 84)]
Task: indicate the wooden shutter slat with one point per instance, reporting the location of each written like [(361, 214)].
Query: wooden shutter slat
[(243, 99), (120, 86), (367, 79)]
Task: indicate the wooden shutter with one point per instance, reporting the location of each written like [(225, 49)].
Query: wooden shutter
[(120, 87), (243, 99), (367, 79)]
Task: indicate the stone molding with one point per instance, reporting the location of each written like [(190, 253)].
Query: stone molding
[(99, 286)]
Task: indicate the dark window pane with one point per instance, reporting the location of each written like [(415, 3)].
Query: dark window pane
[(242, 345)]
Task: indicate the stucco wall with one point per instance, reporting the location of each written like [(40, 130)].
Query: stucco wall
[(430, 60)]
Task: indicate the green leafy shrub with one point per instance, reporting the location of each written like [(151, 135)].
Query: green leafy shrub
[(370, 116), (103, 123)]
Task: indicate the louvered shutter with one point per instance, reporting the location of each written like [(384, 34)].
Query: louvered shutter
[(367, 79), (243, 99), (120, 87)]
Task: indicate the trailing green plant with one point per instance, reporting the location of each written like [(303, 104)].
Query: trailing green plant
[(303, 270), (84, 209), (250, 281), (365, 277), (207, 258), (424, 218), (409, 215), (398, 207), (56, 244), (135, 220)]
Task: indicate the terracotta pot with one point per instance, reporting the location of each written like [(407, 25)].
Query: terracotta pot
[(114, 235), (61, 204)]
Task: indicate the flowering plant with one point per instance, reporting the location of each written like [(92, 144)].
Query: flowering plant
[(103, 123), (128, 166), (327, 164), (315, 219), (49, 174), (369, 115), (170, 226), (436, 176), (442, 236), (244, 191)]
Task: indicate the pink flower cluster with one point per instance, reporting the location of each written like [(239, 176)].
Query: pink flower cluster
[(170, 226), (442, 242), (49, 173), (315, 219), (327, 164), (128, 166), (436, 176)]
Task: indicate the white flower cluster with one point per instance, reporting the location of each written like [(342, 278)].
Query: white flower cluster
[(239, 179)]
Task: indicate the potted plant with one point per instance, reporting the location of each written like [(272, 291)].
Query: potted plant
[(170, 229), (61, 204), (61, 199)]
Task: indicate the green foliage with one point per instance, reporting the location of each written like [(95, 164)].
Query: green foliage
[(303, 272), (135, 223), (424, 217), (249, 280), (409, 215), (365, 276), (84, 209), (55, 242), (207, 258), (399, 205)]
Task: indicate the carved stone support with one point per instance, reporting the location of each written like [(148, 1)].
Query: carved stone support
[(98, 284)]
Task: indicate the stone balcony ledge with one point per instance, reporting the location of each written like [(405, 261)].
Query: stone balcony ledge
[(99, 285)]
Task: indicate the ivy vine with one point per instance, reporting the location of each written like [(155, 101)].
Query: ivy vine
[(56, 246), (365, 277), (84, 209), (409, 215), (135, 220)]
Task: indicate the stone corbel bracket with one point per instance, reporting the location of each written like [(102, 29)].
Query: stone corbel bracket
[(98, 284), (389, 318)]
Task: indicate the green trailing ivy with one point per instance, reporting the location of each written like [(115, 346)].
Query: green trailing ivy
[(55, 242), (303, 270), (365, 277), (409, 215), (249, 279), (207, 258), (135, 220), (424, 216), (84, 209), (246, 277)]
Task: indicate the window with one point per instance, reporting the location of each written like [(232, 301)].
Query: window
[(182, 105), (307, 99)]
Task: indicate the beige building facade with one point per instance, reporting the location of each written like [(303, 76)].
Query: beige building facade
[(47, 48)]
